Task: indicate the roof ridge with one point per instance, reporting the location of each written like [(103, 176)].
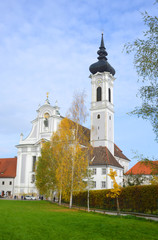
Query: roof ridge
[(107, 154), (117, 147)]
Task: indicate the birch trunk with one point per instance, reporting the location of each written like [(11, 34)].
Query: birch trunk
[(60, 198), (118, 207)]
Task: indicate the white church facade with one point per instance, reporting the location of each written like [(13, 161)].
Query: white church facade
[(106, 154)]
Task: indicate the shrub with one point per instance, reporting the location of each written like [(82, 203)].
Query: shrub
[(133, 198)]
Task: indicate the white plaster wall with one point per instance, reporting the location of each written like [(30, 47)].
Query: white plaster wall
[(102, 130), (31, 146), (99, 177), (7, 187), (124, 163)]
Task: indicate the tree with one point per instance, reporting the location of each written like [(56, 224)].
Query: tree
[(79, 161), (71, 165), (64, 161), (45, 172), (154, 181), (146, 64), (134, 179), (116, 191)]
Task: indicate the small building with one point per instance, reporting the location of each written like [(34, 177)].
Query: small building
[(103, 160), (7, 176), (141, 173)]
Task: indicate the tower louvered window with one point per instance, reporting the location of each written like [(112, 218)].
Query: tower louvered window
[(109, 95), (99, 94)]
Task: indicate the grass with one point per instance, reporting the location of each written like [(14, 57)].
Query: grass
[(41, 220)]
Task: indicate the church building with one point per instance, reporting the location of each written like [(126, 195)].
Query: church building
[(106, 154)]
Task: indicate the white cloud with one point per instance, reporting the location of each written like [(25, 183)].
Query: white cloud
[(48, 45)]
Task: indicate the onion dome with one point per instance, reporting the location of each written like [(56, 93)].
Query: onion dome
[(102, 65)]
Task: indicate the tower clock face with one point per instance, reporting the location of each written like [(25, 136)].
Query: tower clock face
[(99, 81), (46, 115)]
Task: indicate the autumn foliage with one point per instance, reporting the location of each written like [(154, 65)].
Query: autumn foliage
[(63, 164), (142, 199)]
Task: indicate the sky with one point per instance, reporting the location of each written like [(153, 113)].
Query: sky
[(48, 46)]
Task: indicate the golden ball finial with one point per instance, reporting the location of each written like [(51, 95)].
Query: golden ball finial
[(47, 94)]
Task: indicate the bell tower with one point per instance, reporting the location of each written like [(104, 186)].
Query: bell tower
[(102, 108)]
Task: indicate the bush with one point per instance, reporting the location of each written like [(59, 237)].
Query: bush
[(134, 198)]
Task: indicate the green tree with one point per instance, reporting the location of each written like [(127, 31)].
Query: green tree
[(134, 179), (146, 64)]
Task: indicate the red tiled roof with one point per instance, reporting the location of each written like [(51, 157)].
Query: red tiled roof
[(145, 168), (102, 156), (8, 167), (118, 153)]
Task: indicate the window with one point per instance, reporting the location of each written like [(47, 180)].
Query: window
[(98, 116), (3, 182), (109, 117), (34, 163), (103, 171), (10, 183), (99, 94), (103, 184), (32, 178), (94, 184), (46, 122), (94, 171), (109, 95)]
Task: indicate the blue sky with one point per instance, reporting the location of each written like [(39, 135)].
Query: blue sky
[(48, 46)]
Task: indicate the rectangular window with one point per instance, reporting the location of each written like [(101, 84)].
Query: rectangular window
[(10, 183), (33, 163), (103, 184), (103, 171), (94, 184), (32, 178), (3, 182), (94, 171)]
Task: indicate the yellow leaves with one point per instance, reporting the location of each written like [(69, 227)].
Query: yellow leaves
[(65, 153), (112, 174), (71, 160), (154, 180), (115, 192)]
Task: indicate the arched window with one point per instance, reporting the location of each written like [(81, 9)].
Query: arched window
[(109, 95), (99, 94)]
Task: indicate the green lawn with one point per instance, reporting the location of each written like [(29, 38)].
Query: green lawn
[(35, 220)]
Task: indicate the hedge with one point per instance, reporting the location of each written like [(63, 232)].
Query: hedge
[(142, 199)]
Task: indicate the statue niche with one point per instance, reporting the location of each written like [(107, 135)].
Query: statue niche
[(46, 116)]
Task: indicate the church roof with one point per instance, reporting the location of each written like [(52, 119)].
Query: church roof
[(102, 65), (102, 156), (8, 167), (144, 167), (118, 153)]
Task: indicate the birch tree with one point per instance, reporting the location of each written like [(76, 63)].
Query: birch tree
[(78, 114), (71, 143)]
